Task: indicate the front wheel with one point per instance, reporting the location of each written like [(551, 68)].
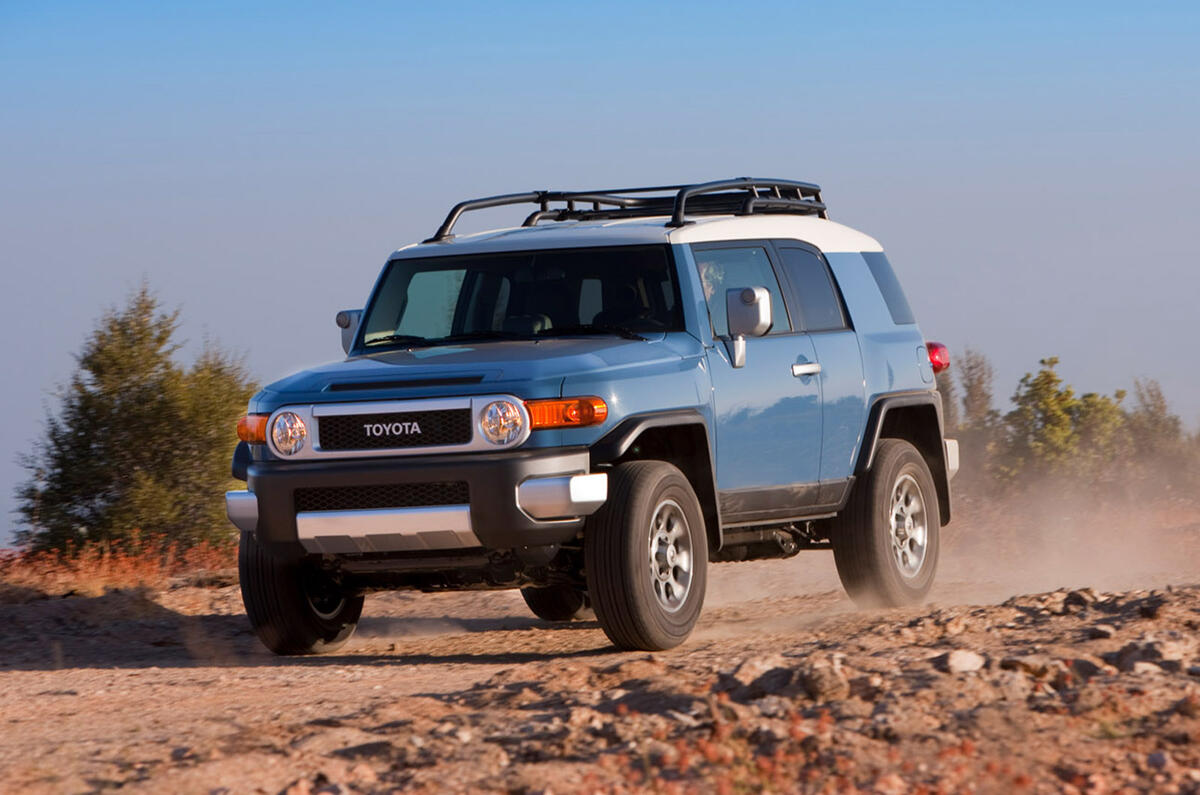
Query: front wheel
[(557, 603), (886, 540), (646, 557), (292, 608)]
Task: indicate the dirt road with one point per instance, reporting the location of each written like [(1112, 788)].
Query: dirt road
[(1093, 687)]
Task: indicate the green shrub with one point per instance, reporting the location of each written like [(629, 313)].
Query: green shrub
[(139, 446)]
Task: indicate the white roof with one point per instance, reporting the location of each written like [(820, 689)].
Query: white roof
[(828, 236)]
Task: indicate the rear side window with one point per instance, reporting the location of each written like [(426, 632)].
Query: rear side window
[(889, 285), (723, 269), (820, 308)]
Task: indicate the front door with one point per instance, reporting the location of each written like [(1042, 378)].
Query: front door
[(768, 413), (817, 308)]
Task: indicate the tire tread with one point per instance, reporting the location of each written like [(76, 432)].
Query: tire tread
[(862, 564), (285, 625), (606, 540)]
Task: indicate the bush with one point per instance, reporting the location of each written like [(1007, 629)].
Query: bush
[(1091, 442), (140, 445)]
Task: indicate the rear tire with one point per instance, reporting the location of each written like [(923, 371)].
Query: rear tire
[(646, 557), (292, 608), (557, 603), (886, 540)]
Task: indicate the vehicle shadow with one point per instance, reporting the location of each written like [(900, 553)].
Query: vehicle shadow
[(132, 631), (383, 627)]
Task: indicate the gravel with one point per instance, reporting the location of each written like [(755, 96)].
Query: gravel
[(781, 689)]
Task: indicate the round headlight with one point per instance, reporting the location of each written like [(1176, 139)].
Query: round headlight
[(501, 421), (288, 433)]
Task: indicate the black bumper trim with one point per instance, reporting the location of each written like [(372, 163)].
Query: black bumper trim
[(492, 478)]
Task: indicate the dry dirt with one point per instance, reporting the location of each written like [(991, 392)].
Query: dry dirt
[(1092, 684)]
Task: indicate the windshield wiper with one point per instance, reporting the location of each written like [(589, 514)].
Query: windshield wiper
[(590, 328), (395, 338), (490, 334), (429, 342), (483, 334)]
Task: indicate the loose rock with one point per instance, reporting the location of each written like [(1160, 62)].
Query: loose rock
[(960, 661), (824, 680)]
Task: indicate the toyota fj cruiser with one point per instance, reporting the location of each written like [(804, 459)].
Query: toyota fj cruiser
[(595, 405)]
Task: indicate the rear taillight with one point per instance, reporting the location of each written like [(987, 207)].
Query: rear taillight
[(939, 356)]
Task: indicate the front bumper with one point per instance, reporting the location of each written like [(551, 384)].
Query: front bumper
[(519, 499)]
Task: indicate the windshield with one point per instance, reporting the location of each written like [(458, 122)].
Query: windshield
[(627, 291)]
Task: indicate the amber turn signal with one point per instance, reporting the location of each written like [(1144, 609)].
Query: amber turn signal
[(253, 428), (568, 413)]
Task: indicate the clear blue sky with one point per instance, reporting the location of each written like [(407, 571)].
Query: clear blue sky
[(1032, 168)]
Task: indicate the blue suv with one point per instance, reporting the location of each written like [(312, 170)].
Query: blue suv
[(595, 405)]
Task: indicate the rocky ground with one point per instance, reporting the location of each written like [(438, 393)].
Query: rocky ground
[(1094, 687)]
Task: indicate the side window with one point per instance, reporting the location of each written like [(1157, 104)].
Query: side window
[(889, 285), (723, 269), (488, 303), (500, 311), (591, 300), (430, 303), (668, 293), (820, 308)]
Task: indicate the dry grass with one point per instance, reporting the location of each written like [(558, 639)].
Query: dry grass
[(93, 569), (729, 761)]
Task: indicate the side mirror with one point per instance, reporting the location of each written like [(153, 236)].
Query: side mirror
[(748, 311), (347, 320)]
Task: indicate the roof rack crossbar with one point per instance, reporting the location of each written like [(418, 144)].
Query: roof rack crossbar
[(725, 206), (741, 196), (444, 231), (750, 185), (752, 203), (537, 215)]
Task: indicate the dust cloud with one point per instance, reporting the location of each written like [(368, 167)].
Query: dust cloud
[(993, 549), (1040, 541)]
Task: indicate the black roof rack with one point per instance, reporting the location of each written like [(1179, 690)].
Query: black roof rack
[(741, 196)]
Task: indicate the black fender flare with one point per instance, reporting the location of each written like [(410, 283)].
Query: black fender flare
[(876, 417), (618, 441), (241, 461)]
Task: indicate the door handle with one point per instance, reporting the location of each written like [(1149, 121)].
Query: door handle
[(808, 368)]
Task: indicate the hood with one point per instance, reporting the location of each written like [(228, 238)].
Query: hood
[(525, 368)]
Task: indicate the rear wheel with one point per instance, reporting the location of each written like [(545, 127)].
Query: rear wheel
[(886, 541), (646, 557), (294, 609), (557, 603)]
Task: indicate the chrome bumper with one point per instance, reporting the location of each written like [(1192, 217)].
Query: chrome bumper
[(951, 457), (242, 507), (544, 499), (563, 497)]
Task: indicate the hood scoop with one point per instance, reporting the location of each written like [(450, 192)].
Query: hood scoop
[(408, 383)]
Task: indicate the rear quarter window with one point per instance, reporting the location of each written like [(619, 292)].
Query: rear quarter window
[(820, 308), (889, 286)]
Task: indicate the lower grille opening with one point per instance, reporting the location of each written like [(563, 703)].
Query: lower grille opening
[(399, 495)]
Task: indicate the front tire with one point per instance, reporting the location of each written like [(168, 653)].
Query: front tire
[(557, 603), (646, 557), (293, 609), (886, 540)]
